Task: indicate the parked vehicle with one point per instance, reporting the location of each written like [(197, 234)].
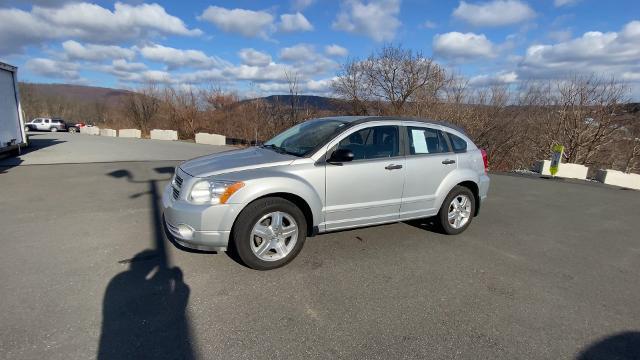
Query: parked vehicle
[(324, 175), (75, 128), (12, 136), (46, 124)]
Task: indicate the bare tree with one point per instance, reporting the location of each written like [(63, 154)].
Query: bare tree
[(351, 86), (396, 74), (586, 115), (142, 106), (294, 99)]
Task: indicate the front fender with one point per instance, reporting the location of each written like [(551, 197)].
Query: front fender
[(264, 182), (451, 180)]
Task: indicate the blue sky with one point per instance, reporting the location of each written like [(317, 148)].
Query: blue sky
[(250, 45)]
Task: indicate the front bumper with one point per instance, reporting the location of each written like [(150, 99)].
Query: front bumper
[(211, 224)]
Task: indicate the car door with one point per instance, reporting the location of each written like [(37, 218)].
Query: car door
[(429, 160), (37, 123), (46, 124), (367, 190)]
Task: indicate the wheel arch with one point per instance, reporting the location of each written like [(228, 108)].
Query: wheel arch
[(475, 191), (297, 200), (459, 177)]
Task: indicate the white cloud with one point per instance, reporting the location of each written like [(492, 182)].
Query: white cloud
[(429, 24), (294, 22), (377, 19), (560, 35), (84, 21), (560, 3), (175, 58), (502, 78), (271, 72), (155, 76), (74, 50), (298, 53), (613, 53), (254, 57), (299, 5), (335, 50), (463, 46), (53, 69), (247, 23), (258, 67), (203, 76), (494, 13), (310, 87), (122, 69)]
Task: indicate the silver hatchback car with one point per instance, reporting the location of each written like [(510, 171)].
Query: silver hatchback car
[(324, 175)]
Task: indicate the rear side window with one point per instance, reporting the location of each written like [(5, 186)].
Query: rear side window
[(426, 141), (373, 143), (458, 144)]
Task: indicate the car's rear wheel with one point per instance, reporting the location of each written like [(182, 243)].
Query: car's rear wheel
[(73, 130), (269, 233), (457, 210)]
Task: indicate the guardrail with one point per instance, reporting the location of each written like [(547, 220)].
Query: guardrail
[(618, 178), (578, 171)]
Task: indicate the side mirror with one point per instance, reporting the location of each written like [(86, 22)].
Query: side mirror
[(340, 156)]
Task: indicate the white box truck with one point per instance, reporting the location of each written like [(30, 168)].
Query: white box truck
[(12, 137)]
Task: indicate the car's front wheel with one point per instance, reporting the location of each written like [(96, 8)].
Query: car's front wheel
[(457, 210), (27, 128), (269, 233), (54, 129)]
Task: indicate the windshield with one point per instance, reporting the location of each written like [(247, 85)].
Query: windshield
[(303, 138)]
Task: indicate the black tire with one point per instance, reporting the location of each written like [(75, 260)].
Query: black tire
[(73, 129), (241, 233), (443, 220), (27, 129), (54, 129)]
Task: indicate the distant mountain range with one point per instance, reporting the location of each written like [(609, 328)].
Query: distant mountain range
[(79, 93), (82, 93)]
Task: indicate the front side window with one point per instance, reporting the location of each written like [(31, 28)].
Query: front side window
[(373, 142), (426, 141)]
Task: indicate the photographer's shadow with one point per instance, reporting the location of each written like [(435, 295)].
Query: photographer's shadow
[(144, 312)]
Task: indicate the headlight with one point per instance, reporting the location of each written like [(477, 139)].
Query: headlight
[(213, 191)]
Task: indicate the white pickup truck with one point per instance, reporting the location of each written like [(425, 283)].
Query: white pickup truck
[(12, 136)]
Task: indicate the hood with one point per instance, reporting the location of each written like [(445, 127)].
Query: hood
[(234, 160)]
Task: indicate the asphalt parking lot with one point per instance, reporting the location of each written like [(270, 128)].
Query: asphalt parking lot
[(550, 270)]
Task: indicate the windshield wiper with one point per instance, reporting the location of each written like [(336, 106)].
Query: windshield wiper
[(279, 149)]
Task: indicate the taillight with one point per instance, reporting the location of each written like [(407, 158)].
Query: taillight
[(485, 160)]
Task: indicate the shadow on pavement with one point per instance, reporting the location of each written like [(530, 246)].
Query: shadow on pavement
[(144, 307), (428, 224), (621, 346)]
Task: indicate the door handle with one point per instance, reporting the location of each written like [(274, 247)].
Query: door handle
[(393, 167), (449, 161)]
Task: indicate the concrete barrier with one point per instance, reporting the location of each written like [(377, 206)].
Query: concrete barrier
[(108, 132), (158, 134), (90, 130), (618, 178), (565, 170), (130, 133), (211, 139)]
